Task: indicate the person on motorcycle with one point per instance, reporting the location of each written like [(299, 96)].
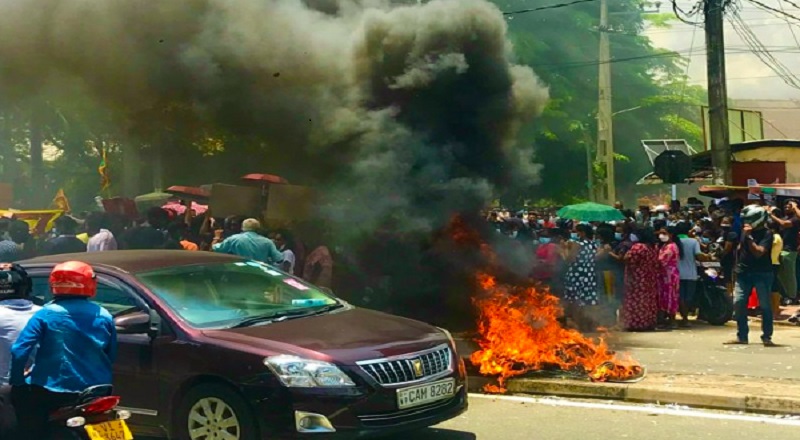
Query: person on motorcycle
[(754, 270), (15, 311), (77, 345)]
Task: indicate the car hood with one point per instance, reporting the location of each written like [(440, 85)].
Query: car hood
[(345, 336)]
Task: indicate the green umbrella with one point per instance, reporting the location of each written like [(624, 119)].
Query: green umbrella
[(590, 212)]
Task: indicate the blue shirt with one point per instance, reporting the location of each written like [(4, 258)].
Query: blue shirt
[(250, 245), (77, 343), (14, 315)]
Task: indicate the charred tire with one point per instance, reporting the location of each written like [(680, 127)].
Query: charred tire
[(720, 308), (211, 408)]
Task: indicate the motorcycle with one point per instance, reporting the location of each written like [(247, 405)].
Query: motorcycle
[(713, 303), (93, 416)]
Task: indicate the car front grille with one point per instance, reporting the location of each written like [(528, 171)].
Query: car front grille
[(415, 367)]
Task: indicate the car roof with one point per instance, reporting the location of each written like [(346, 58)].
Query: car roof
[(136, 261)]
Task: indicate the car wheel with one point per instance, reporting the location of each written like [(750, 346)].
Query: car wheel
[(214, 412)]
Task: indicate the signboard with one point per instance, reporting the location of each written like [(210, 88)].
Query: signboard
[(289, 202), (229, 200), (744, 126)]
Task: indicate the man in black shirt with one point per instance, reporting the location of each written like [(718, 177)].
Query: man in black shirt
[(790, 227), (754, 270), (151, 235), (65, 242)]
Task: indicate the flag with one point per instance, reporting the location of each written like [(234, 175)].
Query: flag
[(61, 202), (105, 182)]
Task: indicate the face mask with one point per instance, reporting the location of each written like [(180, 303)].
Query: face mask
[(725, 226), (544, 240), (634, 238), (573, 235), (706, 240), (540, 221), (513, 234), (618, 236), (663, 237)]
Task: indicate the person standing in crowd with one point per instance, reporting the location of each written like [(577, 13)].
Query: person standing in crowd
[(248, 244), (285, 243), (580, 284), (729, 242), (609, 269), (775, 255), (669, 254), (20, 233), (65, 241), (150, 235), (548, 257), (790, 228), (178, 237), (100, 238), (10, 251), (318, 268), (687, 267), (754, 270), (642, 271)]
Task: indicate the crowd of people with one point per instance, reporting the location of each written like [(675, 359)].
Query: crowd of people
[(163, 229), (641, 272)]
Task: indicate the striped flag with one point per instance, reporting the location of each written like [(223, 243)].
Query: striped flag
[(61, 201), (105, 182)]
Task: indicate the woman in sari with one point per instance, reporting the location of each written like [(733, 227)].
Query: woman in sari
[(642, 272), (669, 253)]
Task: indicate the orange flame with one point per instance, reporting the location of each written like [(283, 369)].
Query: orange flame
[(519, 331)]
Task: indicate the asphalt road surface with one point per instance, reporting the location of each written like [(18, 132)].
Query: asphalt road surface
[(526, 418)]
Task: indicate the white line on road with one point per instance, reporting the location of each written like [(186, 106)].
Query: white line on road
[(681, 412)]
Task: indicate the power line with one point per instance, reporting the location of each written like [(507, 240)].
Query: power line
[(543, 8), (792, 3), (791, 28), (770, 8)]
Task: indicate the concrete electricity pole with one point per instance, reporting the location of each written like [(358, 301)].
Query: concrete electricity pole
[(717, 92), (605, 134)]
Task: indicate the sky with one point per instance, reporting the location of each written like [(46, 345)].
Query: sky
[(748, 77)]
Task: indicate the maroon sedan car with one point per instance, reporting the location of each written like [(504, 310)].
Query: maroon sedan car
[(214, 346)]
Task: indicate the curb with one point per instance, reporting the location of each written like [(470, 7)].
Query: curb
[(709, 398)]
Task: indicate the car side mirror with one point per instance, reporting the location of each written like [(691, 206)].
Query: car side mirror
[(133, 323)]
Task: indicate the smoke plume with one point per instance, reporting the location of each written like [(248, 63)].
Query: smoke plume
[(402, 113)]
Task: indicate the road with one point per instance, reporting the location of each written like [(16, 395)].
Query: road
[(525, 418), (699, 351)]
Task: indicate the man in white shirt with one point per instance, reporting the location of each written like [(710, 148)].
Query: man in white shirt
[(100, 238), (284, 242)]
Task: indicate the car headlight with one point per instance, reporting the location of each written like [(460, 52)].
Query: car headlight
[(297, 372)]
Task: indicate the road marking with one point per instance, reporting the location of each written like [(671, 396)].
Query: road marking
[(661, 410)]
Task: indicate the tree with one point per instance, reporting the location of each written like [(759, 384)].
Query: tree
[(561, 45)]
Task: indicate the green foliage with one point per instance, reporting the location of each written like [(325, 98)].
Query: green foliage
[(651, 96)]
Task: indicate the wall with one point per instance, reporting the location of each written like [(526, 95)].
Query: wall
[(775, 154)]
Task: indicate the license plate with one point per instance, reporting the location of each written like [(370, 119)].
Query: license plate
[(427, 393), (113, 430)]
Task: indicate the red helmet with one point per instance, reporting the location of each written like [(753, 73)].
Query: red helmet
[(73, 278)]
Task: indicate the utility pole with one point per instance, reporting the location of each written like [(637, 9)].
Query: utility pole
[(605, 133), (717, 92)]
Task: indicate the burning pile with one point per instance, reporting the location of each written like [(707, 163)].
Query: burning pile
[(520, 332)]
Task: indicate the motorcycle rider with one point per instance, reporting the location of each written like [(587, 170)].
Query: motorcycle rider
[(77, 345), (15, 311)]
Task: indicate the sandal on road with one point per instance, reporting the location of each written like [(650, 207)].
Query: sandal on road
[(735, 342)]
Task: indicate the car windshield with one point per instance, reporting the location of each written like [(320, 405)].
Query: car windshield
[(233, 294)]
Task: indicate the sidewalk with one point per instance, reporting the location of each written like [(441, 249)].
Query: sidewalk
[(691, 367)]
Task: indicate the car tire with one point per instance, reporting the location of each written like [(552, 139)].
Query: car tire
[(213, 408)]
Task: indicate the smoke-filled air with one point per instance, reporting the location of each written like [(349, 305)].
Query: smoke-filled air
[(401, 113)]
